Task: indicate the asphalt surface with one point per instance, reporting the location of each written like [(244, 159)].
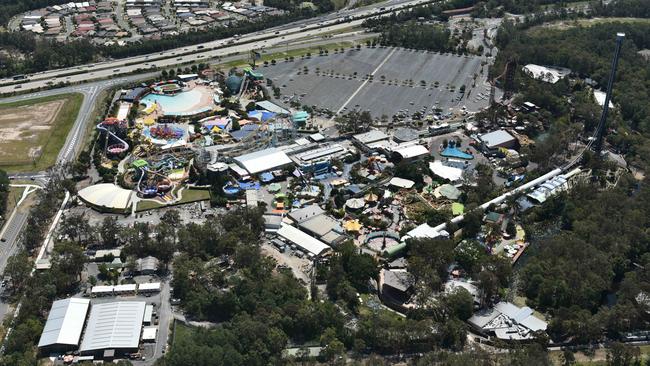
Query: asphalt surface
[(258, 40), (341, 81)]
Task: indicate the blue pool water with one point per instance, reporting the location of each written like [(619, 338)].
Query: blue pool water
[(178, 104), (452, 152)]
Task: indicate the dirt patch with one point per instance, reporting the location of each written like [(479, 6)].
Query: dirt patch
[(25, 129)]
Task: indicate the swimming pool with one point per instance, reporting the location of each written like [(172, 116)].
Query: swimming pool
[(452, 152), (183, 103)]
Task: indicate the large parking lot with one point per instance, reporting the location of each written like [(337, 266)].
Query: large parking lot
[(406, 80)]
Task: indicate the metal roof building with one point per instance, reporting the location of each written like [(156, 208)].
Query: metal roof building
[(303, 240), (498, 138), (411, 152), (508, 322), (272, 107), (64, 324), (370, 137), (113, 326), (263, 160), (305, 213)]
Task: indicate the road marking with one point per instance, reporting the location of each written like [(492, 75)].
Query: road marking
[(363, 84)]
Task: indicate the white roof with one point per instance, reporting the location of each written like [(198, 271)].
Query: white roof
[(302, 239), (148, 313), (371, 136), (446, 172), (426, 231), (263, 160), (271, 107), (317, 137), (149, 286), (355, 203), (113, 325), (412, 151), (101, 289), (402, 183), (125, 288), (496, 138), (548, 74), (107, 195), (65, 322), (149, 333), (305, 213), (600, 98)]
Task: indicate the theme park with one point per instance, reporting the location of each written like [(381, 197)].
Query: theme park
[(157, 135)]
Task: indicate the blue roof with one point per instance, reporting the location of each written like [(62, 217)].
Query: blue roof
[(244, 131)]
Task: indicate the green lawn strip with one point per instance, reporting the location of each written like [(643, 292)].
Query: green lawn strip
[(188, 196)]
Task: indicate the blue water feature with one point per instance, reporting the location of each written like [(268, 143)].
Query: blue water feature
[(453, 152), (182, 103)]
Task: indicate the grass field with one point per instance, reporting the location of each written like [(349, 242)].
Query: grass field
[(32, 132), (188, 196), (14, 196)]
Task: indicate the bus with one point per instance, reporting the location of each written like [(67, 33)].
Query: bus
[(20, 77)]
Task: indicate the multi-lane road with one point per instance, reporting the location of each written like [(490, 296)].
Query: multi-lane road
[(259, 40)]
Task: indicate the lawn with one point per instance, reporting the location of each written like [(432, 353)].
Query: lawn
[(188, 196), (14, 196), (32, 132)]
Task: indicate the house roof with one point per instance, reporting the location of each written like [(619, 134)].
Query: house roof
[(64, 322)]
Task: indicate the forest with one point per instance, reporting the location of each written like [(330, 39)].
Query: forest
[(588, 51), (587, 267)]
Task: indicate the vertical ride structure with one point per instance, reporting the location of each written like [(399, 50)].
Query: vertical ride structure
[(610, 83)]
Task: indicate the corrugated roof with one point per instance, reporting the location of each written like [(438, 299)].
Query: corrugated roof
[(302, 239), (412, 151), (65, 322), (114, 325), (496, 138), (263, 160), (305, 213), (371, 136)]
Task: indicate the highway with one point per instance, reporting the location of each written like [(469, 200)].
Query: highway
[(214, 49)]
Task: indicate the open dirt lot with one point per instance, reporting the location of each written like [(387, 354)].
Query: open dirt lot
[(26, 129)]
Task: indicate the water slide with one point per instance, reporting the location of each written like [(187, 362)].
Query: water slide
[(121, 146)]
